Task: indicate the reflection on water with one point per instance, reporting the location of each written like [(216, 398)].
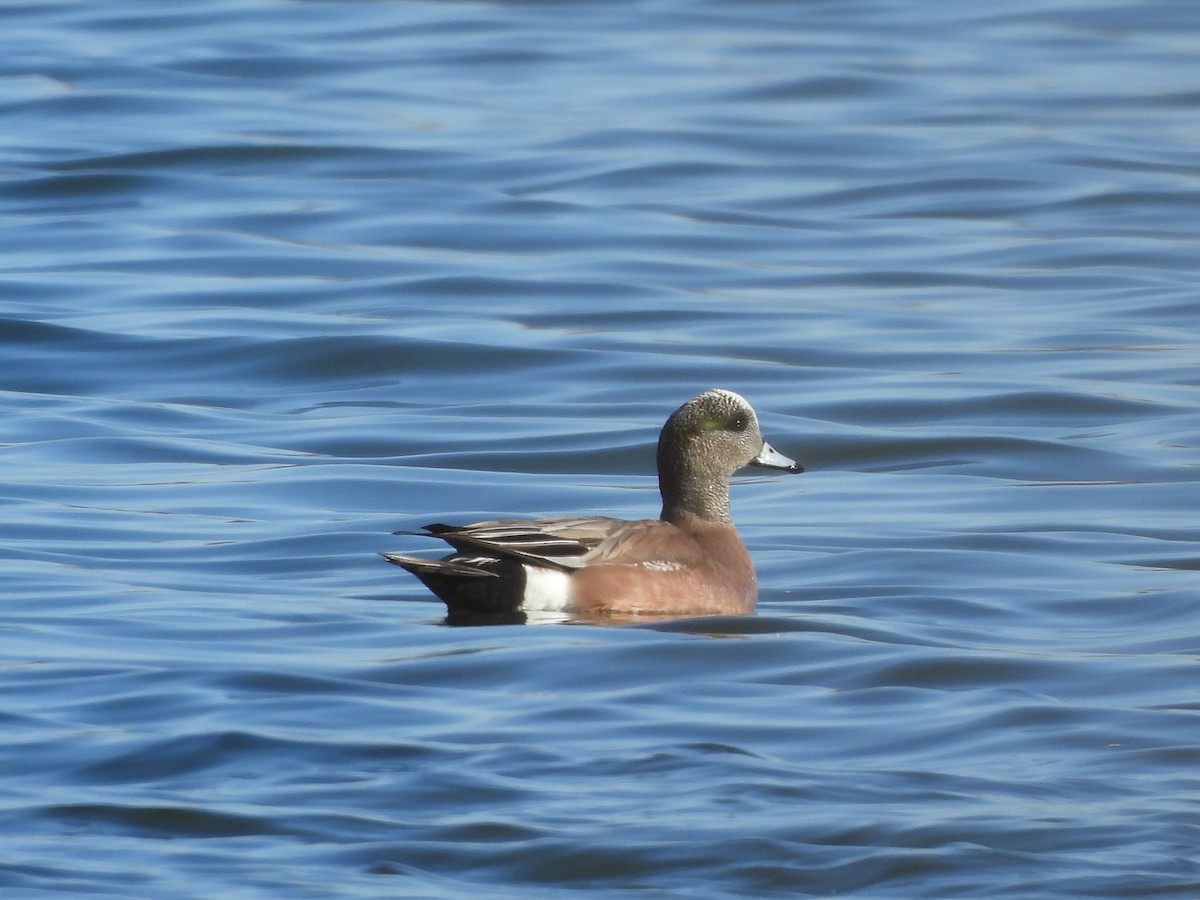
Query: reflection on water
[(282, 278)]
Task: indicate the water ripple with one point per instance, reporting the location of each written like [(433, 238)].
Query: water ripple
[(283, 278)]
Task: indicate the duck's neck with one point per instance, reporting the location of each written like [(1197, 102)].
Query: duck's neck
[(687, 500)]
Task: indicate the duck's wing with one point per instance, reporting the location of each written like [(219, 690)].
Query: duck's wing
[(650, 544), (558, 543)]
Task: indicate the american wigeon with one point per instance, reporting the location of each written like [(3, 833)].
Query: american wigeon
[(688, 562)]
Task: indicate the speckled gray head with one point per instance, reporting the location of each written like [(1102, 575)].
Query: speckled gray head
[(702, 444)]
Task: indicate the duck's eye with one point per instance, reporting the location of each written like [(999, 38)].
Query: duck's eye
[(737, 423)]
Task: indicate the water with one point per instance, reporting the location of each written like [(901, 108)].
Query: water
[(280, 278)]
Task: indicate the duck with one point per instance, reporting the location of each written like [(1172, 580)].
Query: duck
[(689, 562)]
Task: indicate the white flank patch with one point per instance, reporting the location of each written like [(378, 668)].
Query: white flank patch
[(546, 589)]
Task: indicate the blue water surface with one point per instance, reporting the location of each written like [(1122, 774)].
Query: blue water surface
[(278, 278)]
